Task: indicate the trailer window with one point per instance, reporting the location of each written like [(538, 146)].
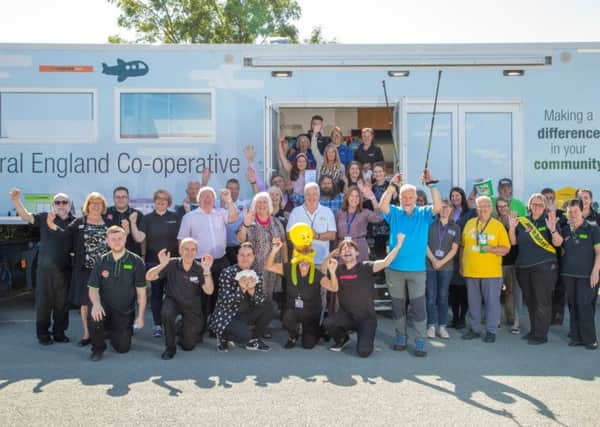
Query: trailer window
[(46, 116), (151, 115)]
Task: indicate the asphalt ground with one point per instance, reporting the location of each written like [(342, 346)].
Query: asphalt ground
[(459, 383)]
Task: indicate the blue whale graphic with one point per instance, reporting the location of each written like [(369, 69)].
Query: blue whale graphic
[(125, 69)]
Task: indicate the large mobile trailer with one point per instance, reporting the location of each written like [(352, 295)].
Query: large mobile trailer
[(78, 118)]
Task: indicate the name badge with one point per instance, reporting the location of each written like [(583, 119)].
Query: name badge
[(347, 238), (439, 253), (298, 303), (482, 239), (194, 279), (452, 232)]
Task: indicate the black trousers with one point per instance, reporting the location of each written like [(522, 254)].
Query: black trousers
[(537, 283), (120, 329), (209, 301), (156, 295), (559, 300), (340, 323), (311, 330), (191, 325), (581, 299), (259, 315), (51, 302), (459, 302)]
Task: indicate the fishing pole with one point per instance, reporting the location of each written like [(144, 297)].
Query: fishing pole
[(437, 89), (391, 123)]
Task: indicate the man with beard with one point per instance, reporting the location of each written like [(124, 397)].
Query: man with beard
[(331, 197)]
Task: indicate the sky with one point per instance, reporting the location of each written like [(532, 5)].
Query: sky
[(346, 21)]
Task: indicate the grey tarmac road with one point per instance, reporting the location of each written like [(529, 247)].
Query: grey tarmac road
[(459, 383)]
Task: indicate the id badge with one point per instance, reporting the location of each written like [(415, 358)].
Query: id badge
[(482, 239), (439, 253), (347, 238), (298, 303)]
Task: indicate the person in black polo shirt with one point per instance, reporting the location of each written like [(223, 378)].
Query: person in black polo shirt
[(356, 292), (303, 296), (125, 216), (579, 271), (368, 152), (186, 279), (537, 269), (115, 281), (161, 227), (52, 283)]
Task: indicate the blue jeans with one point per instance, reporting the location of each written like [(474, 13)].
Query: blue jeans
[(437, 283)]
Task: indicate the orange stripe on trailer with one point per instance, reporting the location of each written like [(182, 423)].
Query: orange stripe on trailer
[(66, 68)]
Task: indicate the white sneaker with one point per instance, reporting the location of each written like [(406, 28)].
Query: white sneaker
[(431, 332), (444, 333)]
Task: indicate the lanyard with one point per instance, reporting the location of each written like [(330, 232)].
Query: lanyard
[(311, 218), (484, 227), (349, 223), (441, 234)]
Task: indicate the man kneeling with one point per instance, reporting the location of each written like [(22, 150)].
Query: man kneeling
[(240, 304), (356, 292), (186, 279), (113, 284)]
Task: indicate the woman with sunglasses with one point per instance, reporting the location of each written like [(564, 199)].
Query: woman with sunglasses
[(52, 274), (537, 269)]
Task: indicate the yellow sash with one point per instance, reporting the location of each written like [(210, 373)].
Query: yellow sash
[(536, 236)]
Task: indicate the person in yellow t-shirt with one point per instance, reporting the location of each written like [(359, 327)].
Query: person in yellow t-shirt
[(484, 243)]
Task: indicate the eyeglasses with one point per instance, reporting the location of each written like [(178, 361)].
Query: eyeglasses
[(537, 205), (61, 202), (502, 206)]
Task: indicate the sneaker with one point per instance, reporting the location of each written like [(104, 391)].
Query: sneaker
[(431, 332), (420, 348), (96, 356), (489, 337), (291, 343), (256, 344), (444, 333), (592, 346), (400, 343), (470, 335), (339, 345), (157, 331)]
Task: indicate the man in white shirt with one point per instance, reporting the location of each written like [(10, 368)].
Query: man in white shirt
[(320, 219), (208, 226)]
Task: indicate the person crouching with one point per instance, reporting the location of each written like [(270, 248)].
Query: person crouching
[(186, 279)]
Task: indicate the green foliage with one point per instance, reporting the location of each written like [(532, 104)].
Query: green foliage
[(207, 21)]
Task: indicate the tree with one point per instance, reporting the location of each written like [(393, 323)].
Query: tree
[(316, 36), (207, 21)]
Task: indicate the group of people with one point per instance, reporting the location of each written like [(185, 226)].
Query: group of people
[(308, 249)]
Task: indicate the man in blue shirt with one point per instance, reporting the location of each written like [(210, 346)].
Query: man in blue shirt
[(406, 274)]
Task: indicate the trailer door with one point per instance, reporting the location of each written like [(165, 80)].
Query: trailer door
[(272, 131)]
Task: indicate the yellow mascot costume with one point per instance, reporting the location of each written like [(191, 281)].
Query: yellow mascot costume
[(301, 236)]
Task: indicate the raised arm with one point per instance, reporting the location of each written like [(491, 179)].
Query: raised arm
[(551, 223), (270, 264), (386, 198), (283, 161), (383, 263), (206, 262), (163, 259), (435, 194), (331, 283), (15, 198), (513, 221)]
